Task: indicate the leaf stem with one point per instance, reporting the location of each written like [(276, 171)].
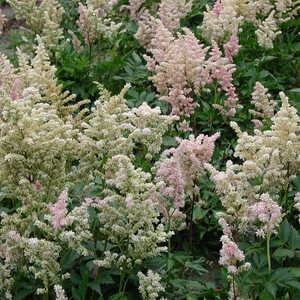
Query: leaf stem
[(268, 252)]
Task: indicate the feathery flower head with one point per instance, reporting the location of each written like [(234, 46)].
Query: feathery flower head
[(59, 210)]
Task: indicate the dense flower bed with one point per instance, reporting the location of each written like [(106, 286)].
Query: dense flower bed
[(150, 150)]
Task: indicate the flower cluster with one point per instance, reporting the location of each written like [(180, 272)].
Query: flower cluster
[(227, 16), (127, 211), (94, 21), (171, 12), (59, 210), (263, 104), (297, 203), (181, 69), (270, 162), (43, 18), (178, 170), (220, 22), (267, 212), (134, 7), (37, 148), (149, 285), (230, 254), (60, 293)]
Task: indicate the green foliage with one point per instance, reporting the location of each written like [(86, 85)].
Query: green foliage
[(284, 278)]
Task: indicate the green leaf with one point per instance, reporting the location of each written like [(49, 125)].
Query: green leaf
[(294, 240), (285, 231), (169, 141), (199, 213), (69, 260), (295, 90), (23, 294), (265, 295), (284, 253), (271, 288), (95, 286), (106, 278), (76, 294), (263, 74), (118, 296), (295, 272), (293, 283)]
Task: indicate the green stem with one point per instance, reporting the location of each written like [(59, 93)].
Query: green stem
[(235, 297), (105, 244), (121, 281), (46, 296), (169, 246), (268, 252), (191, 223)]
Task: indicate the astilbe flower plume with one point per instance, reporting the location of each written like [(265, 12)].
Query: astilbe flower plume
[(270, 162), (59, 210), (43, 18), (150, 285), (263, 104), (95, 21), (178, 169), (37, 147), (126, 211), (267, 212), (221, 70), (227, 17), (171, 12), (230, 254), (179, 66), (183, 68)]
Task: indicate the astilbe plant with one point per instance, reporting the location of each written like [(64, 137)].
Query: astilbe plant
[(179, 169), (263, 104), (94, 21), (42, 17), (40, 144), (37, 149), (169, 14), (183, 68), (254, 193), (39, 75), (227, 17), (127, 212)]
